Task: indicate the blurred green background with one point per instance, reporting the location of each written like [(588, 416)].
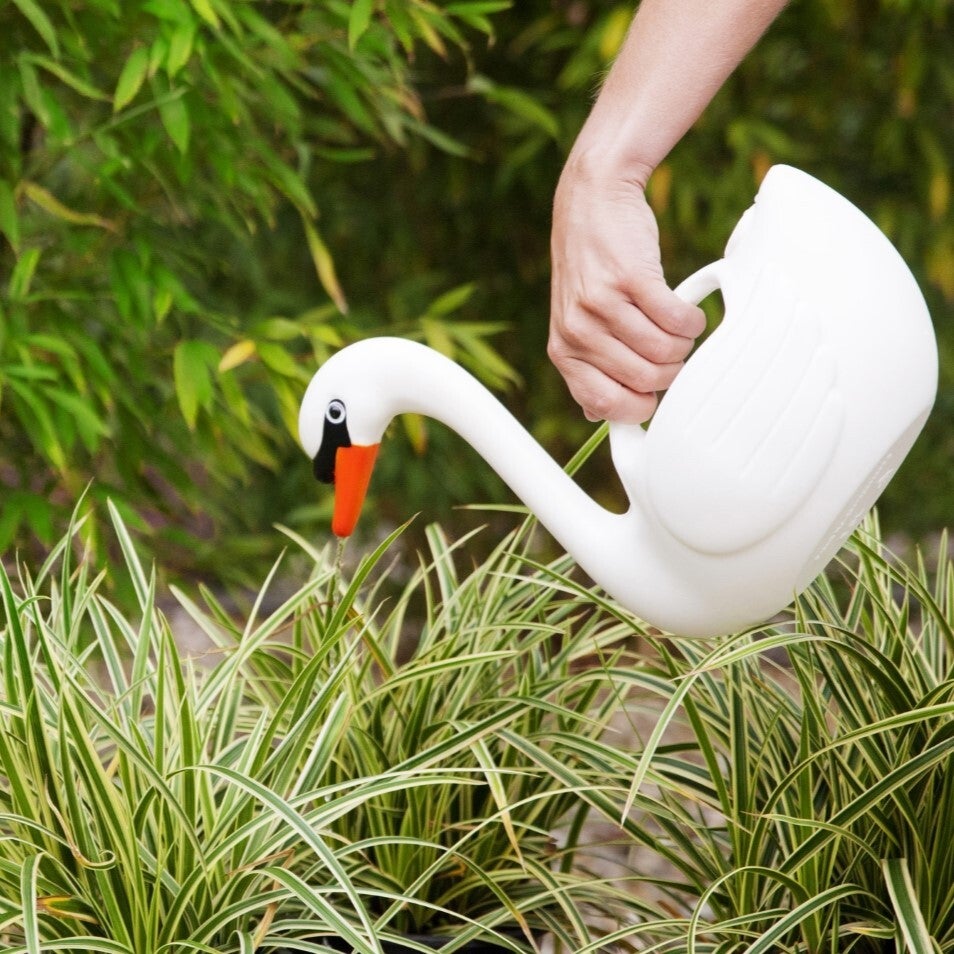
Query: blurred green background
[(201, 199)]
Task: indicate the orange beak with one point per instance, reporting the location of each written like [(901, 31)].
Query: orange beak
[(353, 466)]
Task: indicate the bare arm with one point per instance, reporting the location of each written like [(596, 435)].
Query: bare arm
[(617, 333)]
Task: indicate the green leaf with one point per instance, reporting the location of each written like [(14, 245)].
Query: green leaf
[(415, 426), (50, 203), (37, 423), (907, 910), (768, 941), (131, 78), (70, 79), (173, 11), (9, 219), (191, 368), (29, 875), (32, 91), (162, 301), (41, 23), (278, 329), (38, 513), (518, 102), (180, 48), (450, 300), (91, 427), (359, 20), (478, 7), (22, 276), (277, 359), (396, 12), (10, 518), (453, 147), (289, 182), (325, 266), (175, 118), (205, 10)]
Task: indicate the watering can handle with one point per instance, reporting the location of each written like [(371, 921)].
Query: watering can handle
[(627, 441), (701, 283)]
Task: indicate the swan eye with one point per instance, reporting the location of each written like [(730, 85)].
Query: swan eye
[(336, 413)]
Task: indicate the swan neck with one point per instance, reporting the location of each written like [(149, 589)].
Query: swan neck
[(436, 387)]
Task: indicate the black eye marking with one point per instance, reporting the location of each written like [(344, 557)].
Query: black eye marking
[(334, 435), (336, 413)]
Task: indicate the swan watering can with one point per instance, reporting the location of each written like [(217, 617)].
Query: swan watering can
[(774, 440)]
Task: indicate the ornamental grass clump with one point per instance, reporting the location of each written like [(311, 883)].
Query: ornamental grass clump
[(148, 803), (296, 785), (487, 845), (803, 798)]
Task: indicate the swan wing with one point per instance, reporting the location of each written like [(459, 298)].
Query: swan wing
[(750, 424)]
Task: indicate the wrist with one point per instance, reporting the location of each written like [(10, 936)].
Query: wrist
[(604, 159)]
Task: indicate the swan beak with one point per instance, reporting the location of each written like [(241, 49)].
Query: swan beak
[(353, 466)]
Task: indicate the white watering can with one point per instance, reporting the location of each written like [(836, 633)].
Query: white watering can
[(774, 440)]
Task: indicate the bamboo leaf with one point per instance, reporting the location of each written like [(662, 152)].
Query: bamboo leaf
[(205, 10), (58, 70), (359, 20), (518, 102), (237, 354), (32, 91), (478, 7), (451, 300), (180, 48), (175, 119), (50, 203), (415, 426), (277, 359), (325, 267), (41, 23), (9, 218), (37, 423), (22, 277), (90, 425), (131, 78), (192, 361)]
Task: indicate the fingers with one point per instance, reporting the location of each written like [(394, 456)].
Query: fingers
[(614, 357), (667, 310), (604, 399), (615, 360), (618, 334), (661, 328)]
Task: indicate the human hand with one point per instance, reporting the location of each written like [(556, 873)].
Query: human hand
[(618, 334)]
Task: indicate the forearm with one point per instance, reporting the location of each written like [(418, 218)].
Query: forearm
[(676, 56)]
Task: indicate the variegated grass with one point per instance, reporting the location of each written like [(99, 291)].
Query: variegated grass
[(804, 804), (297, 782), (301, 783)]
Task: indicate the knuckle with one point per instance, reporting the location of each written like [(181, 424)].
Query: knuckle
[(685, 320), (600, 302), (601, 405), (625, 407), (659, 349), (667, 349), (575, 330), (644, 378), (559, 351)]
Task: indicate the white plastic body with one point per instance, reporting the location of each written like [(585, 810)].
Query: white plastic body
[(765, 454)]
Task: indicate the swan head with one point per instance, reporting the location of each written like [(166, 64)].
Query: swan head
[(340, 426)]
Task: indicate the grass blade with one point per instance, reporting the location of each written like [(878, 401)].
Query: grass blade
[(910, 918)]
